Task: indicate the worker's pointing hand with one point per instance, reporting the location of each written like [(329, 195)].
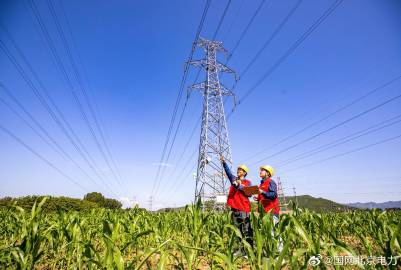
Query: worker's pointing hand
[(222, 158)]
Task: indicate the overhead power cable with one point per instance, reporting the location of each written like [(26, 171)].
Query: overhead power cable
[(182, 114), (222, 19), (356, 135), (176, 180), (271, 38), (80, 149), (347, 152), (180, 93), (324, 118), (107, 153), (67, 78), (30, 149), (246, 29), (49, 140), (332, 127), (290, 50)]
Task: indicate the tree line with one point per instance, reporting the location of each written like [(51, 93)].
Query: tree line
[(90, 201)]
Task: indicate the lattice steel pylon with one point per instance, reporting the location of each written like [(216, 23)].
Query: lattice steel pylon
[(214, 140), (281, 196)]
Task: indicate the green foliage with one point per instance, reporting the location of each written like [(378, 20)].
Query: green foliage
[(52, 203), (95, 197), (189, 239), (318, 204), (100, 200), (91, 201)]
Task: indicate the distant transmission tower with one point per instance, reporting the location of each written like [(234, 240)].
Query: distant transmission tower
[(281, 196), (150, 203), (210, 178)]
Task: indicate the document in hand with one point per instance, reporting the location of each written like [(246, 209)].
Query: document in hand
[(251, 190)]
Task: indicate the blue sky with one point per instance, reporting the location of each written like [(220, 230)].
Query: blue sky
[(133, 54)]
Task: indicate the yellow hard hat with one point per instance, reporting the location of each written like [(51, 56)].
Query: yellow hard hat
[(243, 167), (267, 168)]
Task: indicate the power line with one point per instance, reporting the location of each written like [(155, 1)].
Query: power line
[(183, 152), (179, 180), (56, 147), (46, 106), (49, 41), (185, 105), (61, 66), (342, 140), (182, 178), (345, 177), (332, 127), (246, 29), (180, 92), (271, 38), (291, 50), (30, 149), (78, 78), (102, 130), (230, 28), (239, 40), (215, 34), (356, 184), (353, 102), (243, 33), (42, 86), (222, 19), (46, 92), (182, 113), (47, 141), (347, 152), (172, 144)]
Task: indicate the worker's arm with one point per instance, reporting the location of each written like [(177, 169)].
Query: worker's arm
[(244, 184), (271, 192), (230, 176)]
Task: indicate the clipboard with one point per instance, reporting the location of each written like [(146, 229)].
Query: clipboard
[(251, 190)]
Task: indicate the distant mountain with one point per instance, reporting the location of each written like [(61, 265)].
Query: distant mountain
[(317, 204), (372, 205), (304, 201)]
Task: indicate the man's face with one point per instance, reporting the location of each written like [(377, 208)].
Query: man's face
[(263, 174), (241, 173)]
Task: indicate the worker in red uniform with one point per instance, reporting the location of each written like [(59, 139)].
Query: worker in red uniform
[(238, 201), (268, 197)]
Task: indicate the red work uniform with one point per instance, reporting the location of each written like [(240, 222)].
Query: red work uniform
[(236, 197), (268, 198)]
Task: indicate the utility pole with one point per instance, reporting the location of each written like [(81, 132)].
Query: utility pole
[(295, 195), (281, 196), (214, 141), (134, 202), (150, 203)]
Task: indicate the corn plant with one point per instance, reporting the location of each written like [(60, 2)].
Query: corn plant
[(190, 239)]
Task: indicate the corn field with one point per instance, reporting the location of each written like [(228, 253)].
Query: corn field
[(190, 239)]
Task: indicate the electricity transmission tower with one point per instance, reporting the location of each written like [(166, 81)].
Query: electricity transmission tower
[(214, 141), (295, 195), (281, 196), (150, 203)]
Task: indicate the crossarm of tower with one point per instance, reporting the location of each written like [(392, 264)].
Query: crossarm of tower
[(225, 91), (198, 63), (219, 66), (201, 85), (223, 68)]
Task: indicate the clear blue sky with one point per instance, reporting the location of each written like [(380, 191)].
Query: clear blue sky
[(133, 53)]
